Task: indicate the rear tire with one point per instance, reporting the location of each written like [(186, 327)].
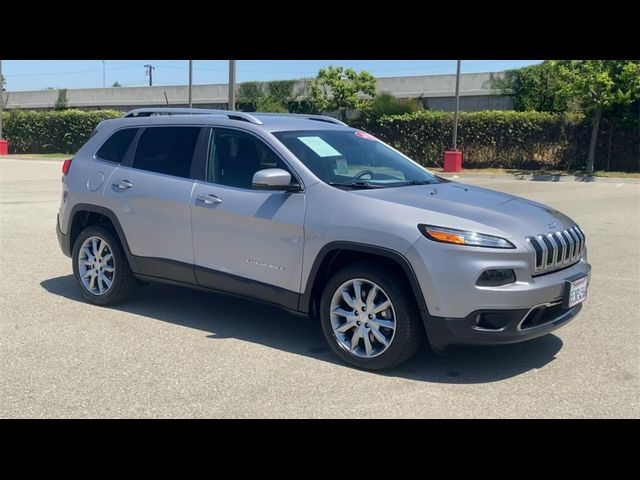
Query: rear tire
[(384, 337), (101, 268)]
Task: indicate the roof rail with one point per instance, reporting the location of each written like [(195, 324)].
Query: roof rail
[(318, 118), (233, 115)]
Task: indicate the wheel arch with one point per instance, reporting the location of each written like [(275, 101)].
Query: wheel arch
[(335, 255), (84, 215)]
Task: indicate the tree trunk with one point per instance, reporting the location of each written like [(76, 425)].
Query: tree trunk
[(594, 140), (343, 115)]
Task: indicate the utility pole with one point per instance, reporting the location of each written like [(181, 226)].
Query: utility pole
[(455, 117), (150, 69), (103, 74), (190, 82), (232, 84)]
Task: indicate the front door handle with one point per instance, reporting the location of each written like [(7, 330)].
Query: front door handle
[(210, 199), (123, 184)]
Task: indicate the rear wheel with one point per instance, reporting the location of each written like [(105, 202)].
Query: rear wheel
[(368, 318), (101, 268)]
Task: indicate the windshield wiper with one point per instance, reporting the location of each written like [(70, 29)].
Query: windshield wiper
[(363, 185), (417, 182)]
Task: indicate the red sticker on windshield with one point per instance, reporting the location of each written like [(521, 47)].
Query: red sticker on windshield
[(365, 135)]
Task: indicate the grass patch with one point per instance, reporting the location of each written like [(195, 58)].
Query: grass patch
[(563, 173), (61, 156)]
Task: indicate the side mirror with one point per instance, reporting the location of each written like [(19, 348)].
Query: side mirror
[(273, 179)]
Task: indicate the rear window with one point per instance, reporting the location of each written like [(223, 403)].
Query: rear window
[(167, 150), (115, 148)]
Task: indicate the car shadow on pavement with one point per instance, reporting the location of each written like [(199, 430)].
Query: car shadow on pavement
[(223, 316)]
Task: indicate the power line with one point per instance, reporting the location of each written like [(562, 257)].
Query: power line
[(68, 73)]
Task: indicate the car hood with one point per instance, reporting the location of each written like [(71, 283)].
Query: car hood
[(512, 216)]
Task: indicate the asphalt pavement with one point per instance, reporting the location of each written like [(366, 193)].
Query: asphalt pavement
[(175, 352)]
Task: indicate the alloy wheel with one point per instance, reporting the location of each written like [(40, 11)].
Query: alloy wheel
[(363, 318)]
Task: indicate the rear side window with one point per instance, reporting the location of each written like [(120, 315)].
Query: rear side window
[(115, 148), (167, 150)]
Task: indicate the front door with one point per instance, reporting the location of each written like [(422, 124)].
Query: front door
[(246, 241)]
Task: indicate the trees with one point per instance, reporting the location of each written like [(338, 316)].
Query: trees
[(340, 89), (592, 87), (596, 85), (272, 97), (116, 84), (61, 102), (386, 103), (534, 88)]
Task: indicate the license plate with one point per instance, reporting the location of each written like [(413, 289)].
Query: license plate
[(577, 292)]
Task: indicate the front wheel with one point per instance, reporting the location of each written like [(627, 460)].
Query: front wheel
[(369, 318)]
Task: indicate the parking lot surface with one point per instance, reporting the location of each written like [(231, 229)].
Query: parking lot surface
[(175, 352)]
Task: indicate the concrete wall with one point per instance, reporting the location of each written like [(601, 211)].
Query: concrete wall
[(436, 91)]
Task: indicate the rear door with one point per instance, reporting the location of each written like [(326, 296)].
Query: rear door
[(247, 241), (151, 193)]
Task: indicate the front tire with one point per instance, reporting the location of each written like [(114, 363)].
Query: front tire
[(101, 268), (368, 317)]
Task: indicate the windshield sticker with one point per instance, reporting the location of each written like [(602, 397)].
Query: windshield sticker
[(320, 147), (365, 135), (342, 168)]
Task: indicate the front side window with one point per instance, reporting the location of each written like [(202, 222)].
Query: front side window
[(115, 148), (347, 158), (234, 157), (167, 150)]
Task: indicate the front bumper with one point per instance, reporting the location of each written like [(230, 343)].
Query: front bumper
[(495, 327), (461, 312), (447, 275)]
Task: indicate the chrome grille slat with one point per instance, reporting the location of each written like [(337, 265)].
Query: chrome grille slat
[(562, 245), (575, 230), (567, 238), (582, 240), (545, 252), (556, 250), (576, 243), (553, 251)]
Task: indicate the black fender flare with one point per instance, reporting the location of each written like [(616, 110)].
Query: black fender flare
[(331, 249), (79, 208)]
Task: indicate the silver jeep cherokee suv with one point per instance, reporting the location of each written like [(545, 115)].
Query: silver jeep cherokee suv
[(304, 212)]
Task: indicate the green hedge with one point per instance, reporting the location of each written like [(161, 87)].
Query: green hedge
[(51, 132), (502, 139), (506, 139)]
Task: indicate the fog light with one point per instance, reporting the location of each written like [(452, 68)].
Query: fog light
[(496, 277)]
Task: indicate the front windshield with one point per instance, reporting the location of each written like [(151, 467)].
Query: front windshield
[(348, 158)]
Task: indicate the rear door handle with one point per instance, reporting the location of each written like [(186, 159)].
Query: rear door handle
[(210, 199), (123, 184)]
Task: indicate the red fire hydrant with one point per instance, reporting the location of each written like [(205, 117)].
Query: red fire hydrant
[(4, 147), (453, 161)]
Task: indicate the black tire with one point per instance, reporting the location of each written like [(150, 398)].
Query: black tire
[(124, 282), (409, 333)]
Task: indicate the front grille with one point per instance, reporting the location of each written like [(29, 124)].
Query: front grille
[(553, 251)]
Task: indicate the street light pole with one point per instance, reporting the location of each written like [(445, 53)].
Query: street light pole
[(103, 74), (190, 82), (455, 117), (232, 84)]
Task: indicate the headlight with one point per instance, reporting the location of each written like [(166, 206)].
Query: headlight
[(462, 237)]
